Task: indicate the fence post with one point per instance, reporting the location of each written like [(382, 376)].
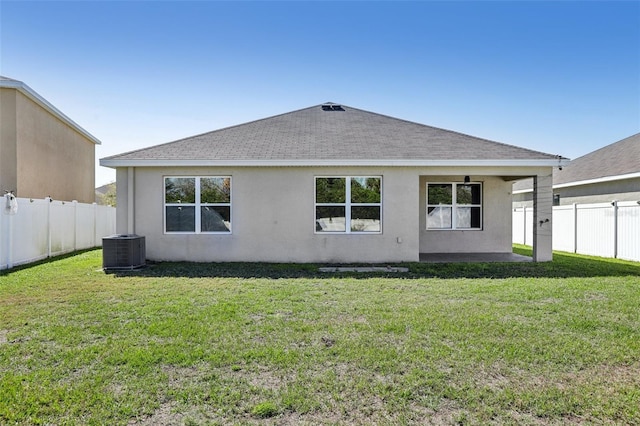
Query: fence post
[(95, 224), (3, 242), (524, 227), (614, 203), (9, 199), (75, 225), (10, 245), (49, 201), (575, 227)]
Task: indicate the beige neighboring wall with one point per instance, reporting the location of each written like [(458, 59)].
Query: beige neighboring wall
[(8, 163), (42, 151), (53, 159)]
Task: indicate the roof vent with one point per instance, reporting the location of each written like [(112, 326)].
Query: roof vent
[(332, 107)]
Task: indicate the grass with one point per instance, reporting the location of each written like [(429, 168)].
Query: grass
[(192, 344)]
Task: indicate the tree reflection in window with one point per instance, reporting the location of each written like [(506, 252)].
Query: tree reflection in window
[(197, 204), (454, 206), (349, 204)]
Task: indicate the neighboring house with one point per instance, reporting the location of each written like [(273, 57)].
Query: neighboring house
[(42, 151), (106, 194), (327, 183), (611, 173)]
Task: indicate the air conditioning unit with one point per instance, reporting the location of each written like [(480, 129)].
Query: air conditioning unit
[(123, 251)]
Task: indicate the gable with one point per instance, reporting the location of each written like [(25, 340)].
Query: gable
[(329, 134), (29, 93)]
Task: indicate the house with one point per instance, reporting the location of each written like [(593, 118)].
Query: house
[(328, 183), (42, 151), (611, 173), (106, 194)]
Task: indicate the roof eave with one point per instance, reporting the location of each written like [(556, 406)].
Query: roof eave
[(598, 180), (586, 182), (115, 163), (35, 97)]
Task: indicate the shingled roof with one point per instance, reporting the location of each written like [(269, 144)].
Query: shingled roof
[(615, 161), (329, 134), (619, 158)]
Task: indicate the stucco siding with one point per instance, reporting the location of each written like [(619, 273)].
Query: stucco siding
[(542, 218), (495, 235), (52, 158), (122, 199), (8, 161), (273, 218)]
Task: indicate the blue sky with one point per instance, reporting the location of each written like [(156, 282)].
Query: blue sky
[(560, 77)]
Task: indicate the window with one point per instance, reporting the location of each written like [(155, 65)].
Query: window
[(454, 206), (197, 204), (349, 204)]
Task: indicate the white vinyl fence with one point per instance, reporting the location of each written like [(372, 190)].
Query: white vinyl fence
[(38, 229), (604, 229)]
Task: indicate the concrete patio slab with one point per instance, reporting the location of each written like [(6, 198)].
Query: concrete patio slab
[(363, 269), (472, 257)]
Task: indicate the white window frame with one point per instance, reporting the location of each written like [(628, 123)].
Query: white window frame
[(347, 205), (454, 206), (197, 205)]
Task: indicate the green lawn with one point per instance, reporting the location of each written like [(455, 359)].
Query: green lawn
[(285, 344)]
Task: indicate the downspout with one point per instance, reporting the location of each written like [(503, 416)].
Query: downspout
[(130, 201)]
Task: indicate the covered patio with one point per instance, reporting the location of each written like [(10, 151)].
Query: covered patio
[(467, 217)]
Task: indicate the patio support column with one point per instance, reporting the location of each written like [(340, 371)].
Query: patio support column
[(542, 218), (124, 215), (131, 229)]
